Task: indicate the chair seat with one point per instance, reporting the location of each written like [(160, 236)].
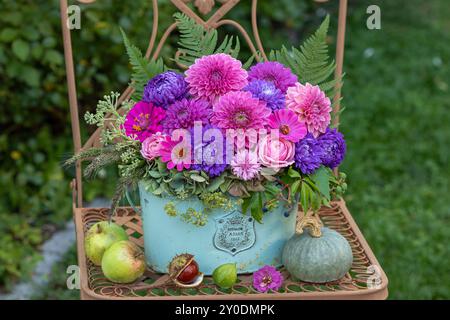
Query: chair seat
[(365, 280)]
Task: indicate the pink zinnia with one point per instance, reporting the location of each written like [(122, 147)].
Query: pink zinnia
[(143, 120), (177, 154), (245, 164), (288, 124), (239, 110), (311, 105), (212, 76)]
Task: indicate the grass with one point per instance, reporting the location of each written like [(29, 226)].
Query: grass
[(397, 128), (396, 124)]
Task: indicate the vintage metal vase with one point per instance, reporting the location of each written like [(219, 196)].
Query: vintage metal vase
[(228, 236)]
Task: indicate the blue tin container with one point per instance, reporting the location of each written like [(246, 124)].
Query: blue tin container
[(228, 237)]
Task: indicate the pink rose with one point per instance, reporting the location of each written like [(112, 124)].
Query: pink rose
[(276, 152), (151, 146)]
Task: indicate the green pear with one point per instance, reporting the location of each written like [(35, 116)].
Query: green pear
[(123, 262), (100, 237)]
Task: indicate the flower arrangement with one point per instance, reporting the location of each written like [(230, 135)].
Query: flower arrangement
[(254, 135)]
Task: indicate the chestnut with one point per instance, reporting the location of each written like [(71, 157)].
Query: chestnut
[(184, 271)]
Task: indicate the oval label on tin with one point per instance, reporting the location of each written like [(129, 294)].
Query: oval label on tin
[(235, 232)]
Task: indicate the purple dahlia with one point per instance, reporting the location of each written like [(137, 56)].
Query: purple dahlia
[(182, 114), (165, 89), (207, 157), (267, 92), (333, 144), (308, 154), (274, 72)]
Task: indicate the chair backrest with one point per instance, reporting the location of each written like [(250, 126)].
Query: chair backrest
[(215, 20)]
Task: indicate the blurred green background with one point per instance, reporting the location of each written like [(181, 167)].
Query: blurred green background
[(396, 123)]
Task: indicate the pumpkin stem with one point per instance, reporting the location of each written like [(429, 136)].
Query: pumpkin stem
[(312, 223)]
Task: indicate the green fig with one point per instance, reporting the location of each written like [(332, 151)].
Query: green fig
[(225, 276)]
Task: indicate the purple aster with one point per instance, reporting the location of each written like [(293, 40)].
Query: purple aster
[(334, 147), (267, 92), (267, 278), (274, 72), (165, 89), (182, 114), (308, 154), (205, 151)]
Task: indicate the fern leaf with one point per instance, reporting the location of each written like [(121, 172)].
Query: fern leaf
[(196, 42), (311, 62), (143, 69)]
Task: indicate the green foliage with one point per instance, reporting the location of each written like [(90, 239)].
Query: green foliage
[(311, 61), (159, 180), (56, 289), (143, 69), (210, 201), (35, 134), (398, 180), (196, 42), (397, 131)]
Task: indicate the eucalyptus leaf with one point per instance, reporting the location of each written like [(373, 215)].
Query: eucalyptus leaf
[(197, 177), (215, 184), (154, 174)]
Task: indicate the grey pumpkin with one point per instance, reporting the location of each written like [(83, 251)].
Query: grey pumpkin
[(319, 255)]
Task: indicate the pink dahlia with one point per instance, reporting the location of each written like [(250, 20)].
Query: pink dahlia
[(212, 76), (288, 124), (239, 110), (274, 72), (311, 105), (152, 145), (177, 154), (245, 164), (143, 120)]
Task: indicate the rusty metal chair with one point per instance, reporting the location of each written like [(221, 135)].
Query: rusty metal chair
[(365, 280)]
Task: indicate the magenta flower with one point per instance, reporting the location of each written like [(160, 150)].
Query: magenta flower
[(215, 75), (311, 105), (267, 278), (151, 146), (245, 165), (239, 110), (177, 154), (288, 124), (274, 72), (143, 120)]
